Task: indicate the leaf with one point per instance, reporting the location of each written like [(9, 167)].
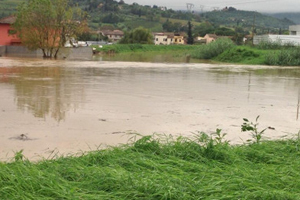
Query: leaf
[(257, 118), (246, 120)]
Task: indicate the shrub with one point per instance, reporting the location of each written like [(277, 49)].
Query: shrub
[(287, 57), (212, 49)]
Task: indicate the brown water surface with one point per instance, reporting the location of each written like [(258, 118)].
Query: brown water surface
[(49, 107)]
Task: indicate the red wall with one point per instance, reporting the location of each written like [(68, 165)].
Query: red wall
[(5, 39)]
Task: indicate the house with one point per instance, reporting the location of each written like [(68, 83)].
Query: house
[(294, 30), (210, 38), (163, 38), (178, 39), (200, 40), (168, 38), (6, 32), (113, 36)]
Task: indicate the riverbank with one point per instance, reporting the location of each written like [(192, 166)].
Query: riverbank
[(221, 51), (161, 167)]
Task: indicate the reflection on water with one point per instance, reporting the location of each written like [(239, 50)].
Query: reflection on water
[(44, 91), (79, 105)]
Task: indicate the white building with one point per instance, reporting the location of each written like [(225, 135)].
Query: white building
[(283, 39), (294, 30), (292, 38), (163, 38)]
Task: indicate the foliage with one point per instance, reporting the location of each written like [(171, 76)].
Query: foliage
[(212, 49), (253, 128), (190, 39), (112, 18), (162, 167), (203, 29), (46, 24), (242, 54), (122, 48), (274, 45), (284, 57), (137, 36)]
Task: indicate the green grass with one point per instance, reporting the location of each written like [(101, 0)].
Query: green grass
[(161, 167), (125, 48), (222, 50), (213, 49), (243, 55)]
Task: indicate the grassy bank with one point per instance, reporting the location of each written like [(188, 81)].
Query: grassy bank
[(222, 50), (125, 48), (162, 168), (266, 53)]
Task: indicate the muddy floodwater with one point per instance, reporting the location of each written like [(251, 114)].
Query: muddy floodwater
[(60, 107)]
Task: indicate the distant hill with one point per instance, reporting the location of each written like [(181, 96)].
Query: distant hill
[(248, 19), (294, 16), (118, 14)]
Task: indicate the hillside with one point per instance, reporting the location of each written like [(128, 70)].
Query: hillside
[(294, 16), (247, 19), (118, 14)]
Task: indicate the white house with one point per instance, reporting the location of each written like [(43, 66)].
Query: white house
[(163, 38)]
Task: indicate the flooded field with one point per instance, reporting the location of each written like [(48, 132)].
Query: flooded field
[(60, 107)]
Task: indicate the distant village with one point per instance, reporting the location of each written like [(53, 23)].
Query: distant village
[(7, 38)]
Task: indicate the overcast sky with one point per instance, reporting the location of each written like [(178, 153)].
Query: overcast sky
[(250, 5)]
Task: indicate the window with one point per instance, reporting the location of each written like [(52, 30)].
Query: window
[(156, 39)]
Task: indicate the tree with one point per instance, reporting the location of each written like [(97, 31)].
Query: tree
[(137, 36), (190, 39), (48, 24)]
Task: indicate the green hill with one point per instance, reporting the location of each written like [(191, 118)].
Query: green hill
[(118, 14), (294, 16)]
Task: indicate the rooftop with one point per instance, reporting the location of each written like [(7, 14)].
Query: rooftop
[(8, 20)]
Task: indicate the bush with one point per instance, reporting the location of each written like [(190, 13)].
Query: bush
[(287, 57), (212, 49), (237, 54), (266, 45)]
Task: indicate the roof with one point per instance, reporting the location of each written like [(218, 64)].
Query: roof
[(211, 35), (114, 32), (8, 20)]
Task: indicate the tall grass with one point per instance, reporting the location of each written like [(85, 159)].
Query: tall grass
[(270, 45), (212, 49), (242, 54), (284, 57), (162, 167), (124, 48)]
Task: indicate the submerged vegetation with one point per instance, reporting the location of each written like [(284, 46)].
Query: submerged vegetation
[(162, 167)]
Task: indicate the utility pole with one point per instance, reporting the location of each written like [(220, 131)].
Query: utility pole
[(189, 6), (253, 28), (202, 8)]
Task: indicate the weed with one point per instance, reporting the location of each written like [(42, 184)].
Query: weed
[(19, 156), (253, 128)]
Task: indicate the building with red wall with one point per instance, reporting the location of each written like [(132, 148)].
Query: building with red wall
[(6, 38)]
